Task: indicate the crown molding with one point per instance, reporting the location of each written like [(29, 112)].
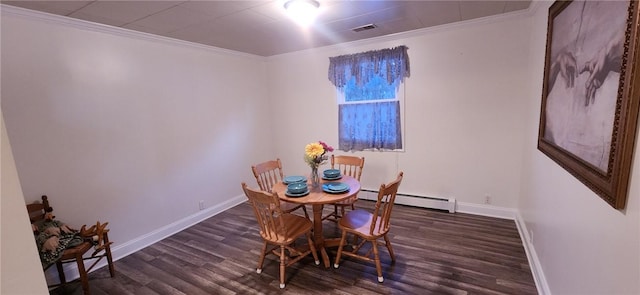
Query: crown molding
[(8, 10)]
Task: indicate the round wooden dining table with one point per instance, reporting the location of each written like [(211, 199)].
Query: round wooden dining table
[(318, 198)]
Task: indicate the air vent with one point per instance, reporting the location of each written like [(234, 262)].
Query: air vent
[(364, 28)]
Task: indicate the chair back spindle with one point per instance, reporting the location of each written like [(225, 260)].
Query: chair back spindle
[(266, 207), (348, 165), (384, 205), (267, 174), (270, 173)]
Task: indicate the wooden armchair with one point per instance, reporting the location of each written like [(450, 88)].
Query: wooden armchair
[(268, 174), (95, 237), (279, 229), (370, 226), (348, 165)]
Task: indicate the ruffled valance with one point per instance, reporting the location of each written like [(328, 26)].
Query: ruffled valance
[(392, 64)]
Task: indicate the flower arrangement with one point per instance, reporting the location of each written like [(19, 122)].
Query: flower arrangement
[(315, 153)]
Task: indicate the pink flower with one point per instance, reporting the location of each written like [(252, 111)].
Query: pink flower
[(325, 146)]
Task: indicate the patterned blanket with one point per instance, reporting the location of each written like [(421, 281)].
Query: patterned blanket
[(65, 240)]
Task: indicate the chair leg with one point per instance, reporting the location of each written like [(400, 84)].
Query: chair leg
[(355, 240), (342, 241), (263, 253), (283, 265), (107, 250), (388, 243), (304, 209), (312, 247), (60, 272), (84, 279), (376, 257)]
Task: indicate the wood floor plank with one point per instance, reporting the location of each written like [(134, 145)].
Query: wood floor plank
[(436, 253)]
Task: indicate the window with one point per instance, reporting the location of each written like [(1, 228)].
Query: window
[(369, 99)]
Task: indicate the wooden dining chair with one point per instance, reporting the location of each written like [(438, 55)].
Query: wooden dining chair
[(348, 165), (279, 229), (269, 173), (370, 227), (95, 237)]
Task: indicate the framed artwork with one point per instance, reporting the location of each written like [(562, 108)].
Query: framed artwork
[(590, 95)]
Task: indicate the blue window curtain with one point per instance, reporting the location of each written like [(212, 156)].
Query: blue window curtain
[(369, 126), (369, 117)]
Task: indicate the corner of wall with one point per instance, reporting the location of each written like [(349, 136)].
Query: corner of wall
[(21, 274)]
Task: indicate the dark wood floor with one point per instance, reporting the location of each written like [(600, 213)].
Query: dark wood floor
[(436, 253)]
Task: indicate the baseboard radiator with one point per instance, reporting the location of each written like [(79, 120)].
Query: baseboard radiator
[(414, 200)]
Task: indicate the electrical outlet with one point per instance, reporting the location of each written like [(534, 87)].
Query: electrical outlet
[(487, 199), (201, 204)]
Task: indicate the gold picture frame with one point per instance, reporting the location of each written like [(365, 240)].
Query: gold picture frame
[(590, 97)]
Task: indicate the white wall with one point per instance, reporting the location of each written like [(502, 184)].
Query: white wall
[(20, 271), (583, 245), (464, 105), (132, 131), (136, 132)]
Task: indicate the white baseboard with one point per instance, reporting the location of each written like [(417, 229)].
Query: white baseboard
[(512, 214), (532, 257), (122, 250)]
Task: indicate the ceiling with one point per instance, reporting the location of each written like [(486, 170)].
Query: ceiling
[(263, 28)]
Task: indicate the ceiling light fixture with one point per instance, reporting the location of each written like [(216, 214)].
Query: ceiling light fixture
[(302, 11)]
